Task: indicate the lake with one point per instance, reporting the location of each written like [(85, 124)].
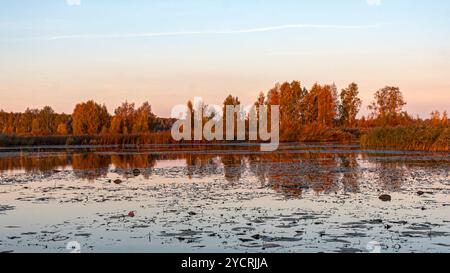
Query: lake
[(229, 198)]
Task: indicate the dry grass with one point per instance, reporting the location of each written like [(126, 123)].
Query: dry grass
[(151, 138), (419, 138)]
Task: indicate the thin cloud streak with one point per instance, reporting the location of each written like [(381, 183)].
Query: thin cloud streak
[(188, 33)]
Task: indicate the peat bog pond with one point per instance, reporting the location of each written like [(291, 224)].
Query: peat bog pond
[(234, 198)]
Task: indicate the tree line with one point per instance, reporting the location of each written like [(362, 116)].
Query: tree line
[(88, 118), (320, 108)]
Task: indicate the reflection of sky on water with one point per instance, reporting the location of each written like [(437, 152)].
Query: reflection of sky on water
[(300, 199)]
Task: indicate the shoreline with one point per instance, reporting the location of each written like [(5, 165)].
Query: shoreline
[(403, 138)]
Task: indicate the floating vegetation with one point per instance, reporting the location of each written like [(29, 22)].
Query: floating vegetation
[(317, 198)]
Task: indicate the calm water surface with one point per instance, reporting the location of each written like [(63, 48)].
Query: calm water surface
[(302, 198)]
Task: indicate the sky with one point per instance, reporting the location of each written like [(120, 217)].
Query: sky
[(61, 52)]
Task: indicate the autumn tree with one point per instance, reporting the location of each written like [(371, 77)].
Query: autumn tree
[(261, 100), (144, 120), (123, 119), (445, 121), (435, 118), (9, 126), (31, 122), (45, 122), (209, 112), (326, 106), (35, 127), (47, 119), (303, 107), (310, 104), (24, 124), (273, 98), (388, 105), (62, 129), (350, 105), (334, 102), (128, 120), (231, 101), (190, 112), (291, 95), (89, 118)]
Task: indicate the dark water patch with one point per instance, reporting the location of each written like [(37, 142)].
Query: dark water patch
[(356, 235), (83, 235), (336, 240), (4, 208), (270, 246), (349, 250), (28, 233), (182, 234), (442, 244), (242, 229)]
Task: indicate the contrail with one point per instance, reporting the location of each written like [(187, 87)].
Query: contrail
[(188, 33)]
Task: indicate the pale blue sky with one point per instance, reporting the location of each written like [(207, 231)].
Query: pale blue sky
[(168, 51)]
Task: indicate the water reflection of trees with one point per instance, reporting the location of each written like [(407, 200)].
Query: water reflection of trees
[(257, 167), (233, 166), (33, 163), (392, 170), (290, 174), (391, 177), (200, 164), (133, 161), (89, 166), (293, 174), (351, 173)]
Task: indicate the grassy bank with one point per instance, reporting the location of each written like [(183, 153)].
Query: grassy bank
[(329, 135), (419, 138), (152, 138)]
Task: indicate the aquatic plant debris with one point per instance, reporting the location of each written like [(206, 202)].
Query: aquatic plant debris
[(307, 198)]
